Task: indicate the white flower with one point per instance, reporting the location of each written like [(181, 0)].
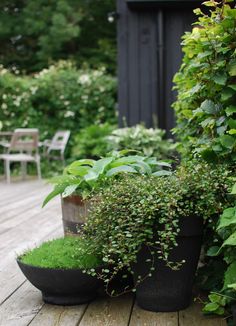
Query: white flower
[(84, 79), (33, 89), (4, 106), (66, 103), (84, 98), (101, 89), (69, 114), (4, 96)]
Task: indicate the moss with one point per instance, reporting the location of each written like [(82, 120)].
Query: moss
[(62, 253)]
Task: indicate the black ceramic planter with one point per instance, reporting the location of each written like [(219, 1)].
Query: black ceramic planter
[(61, 286), (234, 313), (168, 290)]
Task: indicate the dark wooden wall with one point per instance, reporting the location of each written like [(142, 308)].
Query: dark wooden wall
[(149, 54)]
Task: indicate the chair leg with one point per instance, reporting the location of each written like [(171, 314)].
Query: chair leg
[(23, 170), (7, 171), (38, 169)]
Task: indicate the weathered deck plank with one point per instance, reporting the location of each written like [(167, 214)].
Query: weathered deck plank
[(108, 312), (142, 317), (51, 315)]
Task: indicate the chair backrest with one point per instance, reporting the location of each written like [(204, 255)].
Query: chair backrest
[(59, 141), (24, 140)]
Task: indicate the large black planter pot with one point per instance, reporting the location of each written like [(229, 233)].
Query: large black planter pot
[(234, 313), (62, 286), (168, 290)]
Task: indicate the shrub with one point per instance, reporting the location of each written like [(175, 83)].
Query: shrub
[(61, 97), (64, 253), (133, 209), (91, 141), (205, 106), (148, 141)]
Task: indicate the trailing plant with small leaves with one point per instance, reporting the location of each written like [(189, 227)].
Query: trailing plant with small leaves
[(149, 141), (86, 176), (206, 85), (220, 302), (134, 208)]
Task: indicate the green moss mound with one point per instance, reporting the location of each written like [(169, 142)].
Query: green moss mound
[(62, 253)]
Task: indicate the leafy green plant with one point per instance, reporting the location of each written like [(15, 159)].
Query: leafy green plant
[(91, 141), (60, 97), (149, 141), (220, 302), (63, 253), (86, 176), (134, 208), (205, 106)]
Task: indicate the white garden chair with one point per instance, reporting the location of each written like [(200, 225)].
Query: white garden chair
[(57, 144), (22, 148)]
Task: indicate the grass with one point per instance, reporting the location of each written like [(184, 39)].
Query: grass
[(62, 253)]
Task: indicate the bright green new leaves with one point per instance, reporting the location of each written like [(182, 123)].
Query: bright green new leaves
[(205, 106), (85, 176), (227, 218), (230, 275)]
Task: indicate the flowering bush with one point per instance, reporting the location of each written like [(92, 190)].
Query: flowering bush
[(61, 97)]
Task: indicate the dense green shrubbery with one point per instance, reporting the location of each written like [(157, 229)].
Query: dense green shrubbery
[(91, 141), (61, 97), (96, 141), (206, 85), (149, 141)]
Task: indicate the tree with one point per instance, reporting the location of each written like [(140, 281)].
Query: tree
[(33, 34)]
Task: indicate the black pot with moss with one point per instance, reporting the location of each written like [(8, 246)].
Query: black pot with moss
[(56, 269)]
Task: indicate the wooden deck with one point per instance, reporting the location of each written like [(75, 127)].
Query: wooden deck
[(22, 225)]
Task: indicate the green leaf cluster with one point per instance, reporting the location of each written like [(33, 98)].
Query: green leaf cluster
[(206, 86), (134, 208), (227, 250), (61, 97), (87, 176), (149, 141)]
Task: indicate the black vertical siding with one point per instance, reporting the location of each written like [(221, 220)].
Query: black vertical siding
[(149, 54)]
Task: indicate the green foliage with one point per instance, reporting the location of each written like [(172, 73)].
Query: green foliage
[(91, 141), (64, 253), (36, 33), (133, 209), (148, 141), (205, 107), (227, 232), (61, 97), (86, 176)]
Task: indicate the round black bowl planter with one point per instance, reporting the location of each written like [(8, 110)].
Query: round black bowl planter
[(62, 286), (169, 290)]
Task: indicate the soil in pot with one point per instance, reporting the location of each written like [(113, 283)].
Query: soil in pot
[(169, 290), (74, 213), (56, 269)]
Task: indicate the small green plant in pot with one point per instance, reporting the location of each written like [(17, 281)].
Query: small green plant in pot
[(153, 227), (82, 179), (57, 268)]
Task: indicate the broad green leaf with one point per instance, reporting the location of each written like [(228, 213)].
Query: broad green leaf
[(227, 218), (232, 123), (226, 94), (230, 275), (78, 170), (126, 160), (208, 106), (233, 192), (56, 191), (231, 241), (213, 251), (232, 132), (101, 165), (69, 190), (232, 286), (233, 87), (210, 3), (120, 169), (232, 68), (230, 110), (220, 79), (227, 141), (143, 167), (162, 173)]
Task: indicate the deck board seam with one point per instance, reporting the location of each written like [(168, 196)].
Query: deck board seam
[(131, 310), (82, 315), (16, 289)]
